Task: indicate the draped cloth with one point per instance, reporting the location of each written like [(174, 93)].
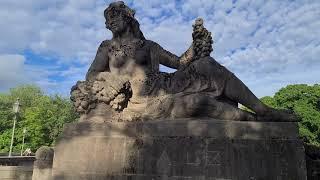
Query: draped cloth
[(204, 77)]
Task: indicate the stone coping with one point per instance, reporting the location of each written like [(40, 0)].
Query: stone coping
[(16, 160), (219, 129)]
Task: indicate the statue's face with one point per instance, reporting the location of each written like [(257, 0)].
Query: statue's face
[(116, 21)]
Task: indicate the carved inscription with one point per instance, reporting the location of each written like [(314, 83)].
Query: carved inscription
[(190, 158), (213, 158), (163, 163)]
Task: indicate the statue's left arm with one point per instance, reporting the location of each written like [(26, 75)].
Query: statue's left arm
[(169, 59), (201, 47)]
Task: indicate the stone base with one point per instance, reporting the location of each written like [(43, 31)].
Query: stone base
[(180, 150)]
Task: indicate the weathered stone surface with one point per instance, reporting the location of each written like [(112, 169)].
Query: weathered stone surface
[(44, 157), (178, 150), (42, 169), (312, 161), (16, 172)]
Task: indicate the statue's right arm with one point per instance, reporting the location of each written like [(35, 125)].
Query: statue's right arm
[(100, 62)]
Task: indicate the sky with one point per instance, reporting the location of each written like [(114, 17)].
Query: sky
[(267, 44)]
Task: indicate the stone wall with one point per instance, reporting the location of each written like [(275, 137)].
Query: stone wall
[(16, 172), (180, 150), (16, 167)]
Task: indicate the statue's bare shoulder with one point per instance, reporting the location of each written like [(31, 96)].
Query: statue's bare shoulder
[(104, 45), (100, 62)]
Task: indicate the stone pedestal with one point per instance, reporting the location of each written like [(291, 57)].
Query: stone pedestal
[(42, 169), (180, 150)]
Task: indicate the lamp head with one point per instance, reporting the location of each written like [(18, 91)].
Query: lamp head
[(16, 106)]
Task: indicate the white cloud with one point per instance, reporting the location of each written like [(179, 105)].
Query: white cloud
[(15, 71), (68, 29), (12, 70), (261, 41)]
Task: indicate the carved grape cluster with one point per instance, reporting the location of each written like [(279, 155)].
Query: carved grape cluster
[(82, 98), (112, 90), (107, 88), (202, 40)]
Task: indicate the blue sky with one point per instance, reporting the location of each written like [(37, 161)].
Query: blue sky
[(267, 44)]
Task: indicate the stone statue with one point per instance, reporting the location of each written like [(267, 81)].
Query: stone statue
[(124, 82)]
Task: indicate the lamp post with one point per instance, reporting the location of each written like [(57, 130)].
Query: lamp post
[(16, 108), (24, 134)]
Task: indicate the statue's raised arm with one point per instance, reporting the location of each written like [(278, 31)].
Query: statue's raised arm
[(200, 47)]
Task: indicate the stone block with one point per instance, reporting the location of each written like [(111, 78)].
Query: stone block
[(16, 172), (184, 149)]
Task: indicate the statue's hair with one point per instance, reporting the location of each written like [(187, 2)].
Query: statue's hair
[(128, 15)]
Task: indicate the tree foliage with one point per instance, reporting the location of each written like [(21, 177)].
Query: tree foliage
[(43, 116), (304, 100)]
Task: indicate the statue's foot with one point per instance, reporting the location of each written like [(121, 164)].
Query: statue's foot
[(278, 116)]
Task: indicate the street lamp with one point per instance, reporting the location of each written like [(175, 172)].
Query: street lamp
[(24, 134), (16, 108)]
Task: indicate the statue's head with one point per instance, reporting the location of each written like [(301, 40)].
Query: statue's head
[(120, 17)]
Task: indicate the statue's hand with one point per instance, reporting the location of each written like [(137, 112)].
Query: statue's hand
[(202, 40), (187, 57), (201, 46)]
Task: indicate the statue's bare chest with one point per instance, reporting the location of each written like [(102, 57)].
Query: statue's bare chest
[(122, 54)]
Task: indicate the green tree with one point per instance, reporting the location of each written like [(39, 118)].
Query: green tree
[(304, 100), (43, 116)]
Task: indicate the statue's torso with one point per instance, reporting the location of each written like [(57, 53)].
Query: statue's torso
[(131, 59)]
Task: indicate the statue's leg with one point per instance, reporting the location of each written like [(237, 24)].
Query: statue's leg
[(222, 110), (237, 91), (231, 87), (202, 105), (223, 83)]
